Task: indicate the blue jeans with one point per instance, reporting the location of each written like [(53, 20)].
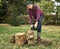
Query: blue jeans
[(39, 27)]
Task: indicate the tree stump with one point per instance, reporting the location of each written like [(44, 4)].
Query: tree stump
[(30, 37), (20, 38)]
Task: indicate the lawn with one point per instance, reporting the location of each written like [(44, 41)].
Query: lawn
[(48, 32)]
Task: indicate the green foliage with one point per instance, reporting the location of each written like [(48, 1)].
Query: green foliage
[(47, 7), (12, 7), (3, 10), (58, 0), (11, 10)]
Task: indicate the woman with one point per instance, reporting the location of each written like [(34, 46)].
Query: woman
[(36, 13)]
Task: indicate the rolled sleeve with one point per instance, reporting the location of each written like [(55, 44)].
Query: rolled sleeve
[(30, 16)]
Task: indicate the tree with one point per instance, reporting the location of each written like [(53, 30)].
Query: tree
[(3, 10)]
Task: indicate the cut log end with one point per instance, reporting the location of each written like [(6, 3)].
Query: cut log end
[(20, 38)]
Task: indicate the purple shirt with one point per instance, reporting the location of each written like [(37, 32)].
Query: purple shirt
[(36, 12)]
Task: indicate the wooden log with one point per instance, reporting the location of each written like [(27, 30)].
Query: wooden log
[(30, 37), (20, 38), (12, 39)]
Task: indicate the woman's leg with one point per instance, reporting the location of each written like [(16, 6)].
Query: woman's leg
[(39, 27)]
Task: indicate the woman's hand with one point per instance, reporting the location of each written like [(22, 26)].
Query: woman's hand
[(36, 24), (31, 25)]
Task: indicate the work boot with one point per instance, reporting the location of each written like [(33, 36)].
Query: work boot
[(38, 38)]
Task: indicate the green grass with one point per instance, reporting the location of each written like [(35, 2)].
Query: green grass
[(48, 32)]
